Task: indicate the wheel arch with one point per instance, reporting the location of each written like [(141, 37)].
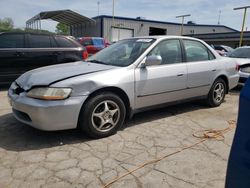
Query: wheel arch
[(224, 77), (118, 91)]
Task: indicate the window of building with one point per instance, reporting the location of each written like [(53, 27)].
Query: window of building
[(157, 31)]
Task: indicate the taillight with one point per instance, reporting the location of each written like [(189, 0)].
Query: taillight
[(85, 54), (237, 67)]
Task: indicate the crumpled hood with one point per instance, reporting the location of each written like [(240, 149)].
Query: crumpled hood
[(47, 75)]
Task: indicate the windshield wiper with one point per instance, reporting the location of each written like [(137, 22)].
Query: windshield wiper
[(96, 61)]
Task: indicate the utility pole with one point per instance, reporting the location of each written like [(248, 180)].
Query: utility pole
[(243, 23), (219, 17), (98, 8), (182, 22)]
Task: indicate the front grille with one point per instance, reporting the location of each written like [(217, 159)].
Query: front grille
[(17, 89)]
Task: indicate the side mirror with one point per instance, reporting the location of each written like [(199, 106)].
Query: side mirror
[(153, 60)]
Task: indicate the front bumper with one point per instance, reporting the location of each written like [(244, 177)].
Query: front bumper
[(243, 76), (46, 115)]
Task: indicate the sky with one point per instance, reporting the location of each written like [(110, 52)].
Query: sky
[(202, 11)]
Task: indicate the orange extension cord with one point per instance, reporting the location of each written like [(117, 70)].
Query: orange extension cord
[(204, 135)]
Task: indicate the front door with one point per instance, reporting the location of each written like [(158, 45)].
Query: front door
[(158, 84)]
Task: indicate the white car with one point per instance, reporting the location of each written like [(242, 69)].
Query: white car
[(242, 58), (131, 75)]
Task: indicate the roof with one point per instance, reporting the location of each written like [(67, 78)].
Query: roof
[(67, 17), (163, 22), (230, 35)]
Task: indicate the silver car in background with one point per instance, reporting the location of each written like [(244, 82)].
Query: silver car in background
[(129, 76)]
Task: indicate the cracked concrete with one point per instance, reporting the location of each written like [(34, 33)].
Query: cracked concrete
[(33, 158)]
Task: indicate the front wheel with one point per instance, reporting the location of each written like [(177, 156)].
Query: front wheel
[(217, 93), (102, 115)]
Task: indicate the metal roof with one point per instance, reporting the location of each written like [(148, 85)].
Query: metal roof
[(67, 17), (162, 22), (222, 36)]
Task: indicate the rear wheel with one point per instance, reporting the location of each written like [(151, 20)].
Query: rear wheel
[(217, 93), (102, 115)]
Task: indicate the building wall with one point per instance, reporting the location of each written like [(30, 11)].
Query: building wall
[(103, 28), (141, 28)]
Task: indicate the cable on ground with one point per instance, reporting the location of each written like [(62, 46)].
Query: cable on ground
[(204, 135)]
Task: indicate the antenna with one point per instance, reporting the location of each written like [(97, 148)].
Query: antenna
[(98, 8)]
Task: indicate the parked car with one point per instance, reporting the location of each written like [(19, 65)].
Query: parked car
[(242, 57), (21, 52), (222, 49), (238, 168), (93, 44), (127, 77)]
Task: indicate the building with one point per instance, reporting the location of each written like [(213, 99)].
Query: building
[(122, 27), (116, 28), (229, 39)]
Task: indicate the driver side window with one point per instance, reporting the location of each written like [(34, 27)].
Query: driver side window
[(169, 50)]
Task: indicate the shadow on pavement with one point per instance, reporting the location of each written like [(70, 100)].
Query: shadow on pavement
[(16, 136), (165, 112)]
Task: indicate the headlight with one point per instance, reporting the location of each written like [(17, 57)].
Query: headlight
[(48, 93)]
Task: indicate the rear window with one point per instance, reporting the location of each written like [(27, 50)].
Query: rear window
[(64, 42), (12, 41), (87, 42), (240, 53), (98, 42), (39, 41)]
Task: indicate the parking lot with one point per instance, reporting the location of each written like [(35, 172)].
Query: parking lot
[(33, 158)]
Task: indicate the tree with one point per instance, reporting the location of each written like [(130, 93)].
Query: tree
[(62, 29), (6, 24)]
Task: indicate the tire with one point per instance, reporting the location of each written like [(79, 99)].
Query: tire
[(217, 93), (102, 115)]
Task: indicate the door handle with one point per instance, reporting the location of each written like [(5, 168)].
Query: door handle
[(180, 74), (57, 53), (213, 70), (20, 54)]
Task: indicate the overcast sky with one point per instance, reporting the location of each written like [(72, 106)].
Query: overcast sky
[(202, 11)]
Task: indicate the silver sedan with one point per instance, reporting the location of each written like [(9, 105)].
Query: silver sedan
[(129, 76)]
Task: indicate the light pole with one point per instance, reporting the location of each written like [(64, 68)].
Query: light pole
[(243, 23), (182, 22)]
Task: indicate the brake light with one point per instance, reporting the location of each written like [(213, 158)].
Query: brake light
[(85, 54)]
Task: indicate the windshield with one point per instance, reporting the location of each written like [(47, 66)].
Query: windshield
[(122, 53), (240, 53)]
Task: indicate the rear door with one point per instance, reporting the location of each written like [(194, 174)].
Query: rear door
[(202, 67), (67, 50), (13, 56), (40, 51)]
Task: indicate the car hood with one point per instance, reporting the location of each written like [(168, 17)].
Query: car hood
[(242, 61), (47, 75)]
